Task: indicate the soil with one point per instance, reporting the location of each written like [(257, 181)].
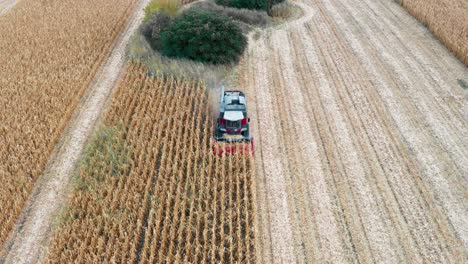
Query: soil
[(31, 236), (361, 129)]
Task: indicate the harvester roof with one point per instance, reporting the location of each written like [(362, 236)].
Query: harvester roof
[(233, 100)]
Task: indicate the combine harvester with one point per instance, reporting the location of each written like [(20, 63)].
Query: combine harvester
[(232, 133)]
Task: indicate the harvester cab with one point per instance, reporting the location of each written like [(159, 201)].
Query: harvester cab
[(232, 125)]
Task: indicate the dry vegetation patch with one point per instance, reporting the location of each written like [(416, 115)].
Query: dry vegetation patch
[(150, 190), (49, 54), (447, 19)]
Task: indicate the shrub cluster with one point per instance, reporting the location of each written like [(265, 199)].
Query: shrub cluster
[(251, 17), (282, 10), (203, 36), (152, 28), (248, 4)]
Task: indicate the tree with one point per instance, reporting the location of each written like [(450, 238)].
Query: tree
[(269, 7), (203, 36)]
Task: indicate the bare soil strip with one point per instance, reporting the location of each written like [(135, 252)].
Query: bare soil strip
[(361, 133), (32, 234), (6, 5)]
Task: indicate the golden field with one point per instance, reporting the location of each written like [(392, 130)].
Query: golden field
[(49, 53), (150, 189)]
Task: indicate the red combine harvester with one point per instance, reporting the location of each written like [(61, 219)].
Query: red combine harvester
[(232, 133)]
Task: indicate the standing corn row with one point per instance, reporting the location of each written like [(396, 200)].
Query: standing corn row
[(50, 52), (151, 191)]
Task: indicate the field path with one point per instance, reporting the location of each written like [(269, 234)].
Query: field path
[(30, 238), (6, 5), (362, 135)]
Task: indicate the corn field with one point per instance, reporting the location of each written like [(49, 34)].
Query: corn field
[(150, 189), (49, 54), (448, 21)]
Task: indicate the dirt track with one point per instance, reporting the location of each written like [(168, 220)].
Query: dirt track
[(31, 236), (361, 130)]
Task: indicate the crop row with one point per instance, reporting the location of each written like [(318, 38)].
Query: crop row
[(150, 189), (49, 53)]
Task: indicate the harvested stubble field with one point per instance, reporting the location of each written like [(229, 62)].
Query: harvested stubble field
[(149, 188), (361, 132), (447, 19), (49, 54)]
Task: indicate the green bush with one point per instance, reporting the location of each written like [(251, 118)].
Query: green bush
[(251, 17), (203, 36), (152, 28), (248, 4)]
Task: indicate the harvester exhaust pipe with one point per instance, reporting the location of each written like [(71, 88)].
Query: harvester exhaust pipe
[(222, 94)]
